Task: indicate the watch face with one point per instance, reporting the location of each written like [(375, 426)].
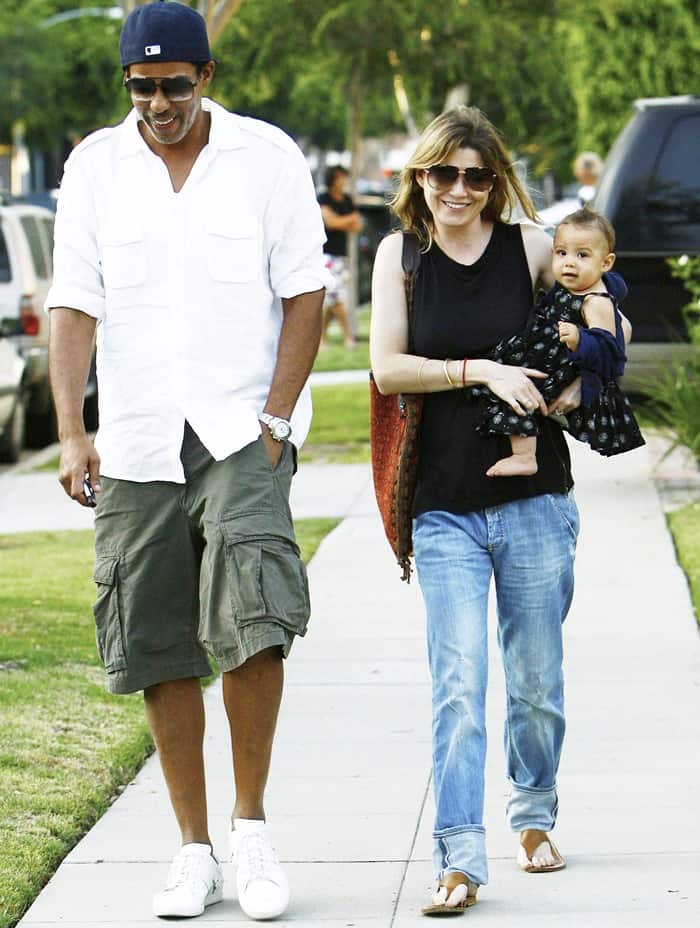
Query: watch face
[(281, 430)]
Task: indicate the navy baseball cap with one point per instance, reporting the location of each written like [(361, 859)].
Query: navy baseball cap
[(164, 32)]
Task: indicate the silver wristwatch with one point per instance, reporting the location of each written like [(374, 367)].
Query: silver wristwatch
[(280, 429)]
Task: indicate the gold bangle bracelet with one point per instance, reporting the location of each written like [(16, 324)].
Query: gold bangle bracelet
[(420, 371), (447, 373)]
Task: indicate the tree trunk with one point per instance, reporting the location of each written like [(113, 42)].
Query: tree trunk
[(401, 96), (217, 13), (356, 93)]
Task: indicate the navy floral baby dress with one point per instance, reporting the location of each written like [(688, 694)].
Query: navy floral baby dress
[(605, 419)]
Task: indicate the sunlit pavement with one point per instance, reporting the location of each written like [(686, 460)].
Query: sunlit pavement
[(349, 798)]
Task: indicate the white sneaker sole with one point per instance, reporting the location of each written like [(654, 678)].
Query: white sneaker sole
[(164, 907)]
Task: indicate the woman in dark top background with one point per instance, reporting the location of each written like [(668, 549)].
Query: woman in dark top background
[(475, 287), (339, 218)]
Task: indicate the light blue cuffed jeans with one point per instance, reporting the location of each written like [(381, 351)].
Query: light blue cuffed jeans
[(528, 545)]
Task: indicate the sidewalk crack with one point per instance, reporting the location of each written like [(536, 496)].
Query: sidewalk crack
[(410, 852)]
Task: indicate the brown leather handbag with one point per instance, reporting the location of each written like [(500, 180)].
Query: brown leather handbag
[(394, 427)]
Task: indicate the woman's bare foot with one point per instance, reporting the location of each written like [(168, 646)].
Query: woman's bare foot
[(517, 465), (455, 893), (537, 853)]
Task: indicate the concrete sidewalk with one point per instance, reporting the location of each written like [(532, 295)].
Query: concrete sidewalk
[(349, 798), (32, 502)]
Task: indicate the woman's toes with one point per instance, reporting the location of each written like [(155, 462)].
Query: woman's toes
[(457, 896)]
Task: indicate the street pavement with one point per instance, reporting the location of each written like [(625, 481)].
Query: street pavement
[(349, 799)]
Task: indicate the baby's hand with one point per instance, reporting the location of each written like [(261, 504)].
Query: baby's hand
[(569, 334)]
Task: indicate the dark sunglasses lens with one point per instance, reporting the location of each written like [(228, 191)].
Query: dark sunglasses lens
[(478, 178), (442, 175), (176, 88), (141, 87)]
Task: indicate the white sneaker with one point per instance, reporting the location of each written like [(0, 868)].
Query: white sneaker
[(263, 889), (194, 882)]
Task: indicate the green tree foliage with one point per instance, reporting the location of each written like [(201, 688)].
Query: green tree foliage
[(508, 55), (556, 77), (301, 63), (63, 80), (619, 50)]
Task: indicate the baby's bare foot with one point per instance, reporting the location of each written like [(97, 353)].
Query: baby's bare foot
[(517, 465)]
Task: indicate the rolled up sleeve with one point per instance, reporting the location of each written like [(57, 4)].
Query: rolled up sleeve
[(297, 263), (77, 275)]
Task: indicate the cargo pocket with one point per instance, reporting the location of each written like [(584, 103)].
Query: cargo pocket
[(266, 575), (108, 618)]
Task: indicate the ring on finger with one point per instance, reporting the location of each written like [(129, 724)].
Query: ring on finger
[(558, 411)]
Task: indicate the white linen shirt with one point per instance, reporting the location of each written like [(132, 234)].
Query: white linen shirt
[(186, 287)]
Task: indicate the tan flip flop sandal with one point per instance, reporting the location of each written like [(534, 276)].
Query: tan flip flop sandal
[(447, 884), (528, 848)]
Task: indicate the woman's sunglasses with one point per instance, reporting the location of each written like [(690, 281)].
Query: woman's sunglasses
[(176, 89), (442, 176)]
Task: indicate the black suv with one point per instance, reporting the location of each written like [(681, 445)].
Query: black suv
[(650, 191)]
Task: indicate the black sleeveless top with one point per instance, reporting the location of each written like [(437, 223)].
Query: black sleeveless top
[(463, 311)]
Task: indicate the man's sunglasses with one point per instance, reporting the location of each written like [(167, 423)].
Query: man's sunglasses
[(176, 89), (442, 176)]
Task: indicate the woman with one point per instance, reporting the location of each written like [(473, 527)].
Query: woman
[(474, 287)]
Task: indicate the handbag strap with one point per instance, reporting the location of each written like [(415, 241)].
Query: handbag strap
[(410, 262)]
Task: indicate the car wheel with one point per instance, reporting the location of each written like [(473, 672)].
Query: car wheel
[(12, 441)]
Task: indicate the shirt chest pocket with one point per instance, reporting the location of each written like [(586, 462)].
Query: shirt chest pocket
[(124, 261), (233, 249)]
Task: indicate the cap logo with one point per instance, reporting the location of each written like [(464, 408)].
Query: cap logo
[(152, 50)]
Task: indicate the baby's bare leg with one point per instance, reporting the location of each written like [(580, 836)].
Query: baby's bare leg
[(522, 462)]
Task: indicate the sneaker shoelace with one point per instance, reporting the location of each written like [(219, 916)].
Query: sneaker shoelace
[(185, 868), (257, 857)]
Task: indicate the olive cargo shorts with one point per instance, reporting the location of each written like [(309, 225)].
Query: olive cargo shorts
[(211, 565)]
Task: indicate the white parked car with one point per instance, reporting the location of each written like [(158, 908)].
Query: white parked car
[(12, 400), (26, 244), (26, 237)]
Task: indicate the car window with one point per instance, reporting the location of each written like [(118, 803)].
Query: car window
[(47, 226), (5, 270), (677, 172), (31, 230)]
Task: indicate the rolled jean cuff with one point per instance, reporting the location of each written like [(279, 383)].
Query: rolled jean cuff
[(532, 807), (462, 849)]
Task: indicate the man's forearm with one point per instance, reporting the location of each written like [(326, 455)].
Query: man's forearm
[(298, 345), (70, 352)]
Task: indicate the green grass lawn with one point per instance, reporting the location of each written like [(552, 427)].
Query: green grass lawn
[(66, 745), (340, 426), (335, 357), (685, 528)]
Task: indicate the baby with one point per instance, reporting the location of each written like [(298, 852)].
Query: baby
[(574, 331)]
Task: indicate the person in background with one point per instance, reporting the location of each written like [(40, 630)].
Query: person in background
[(588, 166), (339, 218), (190, 241)]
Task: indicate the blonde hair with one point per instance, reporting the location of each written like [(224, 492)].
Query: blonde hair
[(461, 127)]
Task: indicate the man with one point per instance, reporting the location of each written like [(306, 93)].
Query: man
[(190, 239), (339, 218)]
